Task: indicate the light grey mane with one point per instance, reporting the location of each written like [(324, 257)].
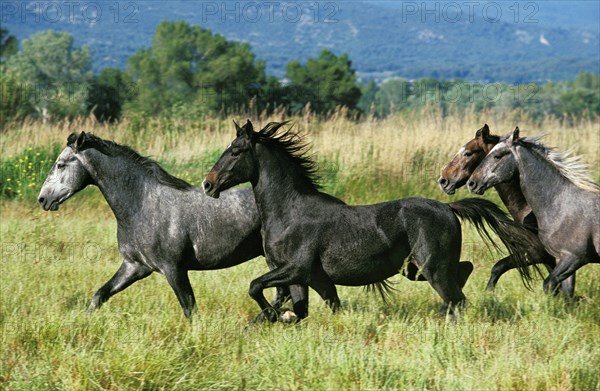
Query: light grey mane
[(571, 167)]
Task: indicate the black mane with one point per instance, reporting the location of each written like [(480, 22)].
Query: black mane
[(110, 148), (294, 146)]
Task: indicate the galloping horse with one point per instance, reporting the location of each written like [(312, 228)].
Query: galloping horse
[(455, 175), (564, 199), (164, 224), (307, 232)]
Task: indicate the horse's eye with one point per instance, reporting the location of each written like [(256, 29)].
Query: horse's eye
[(468, 153), (60, 166), (235, 153), (498, 157)]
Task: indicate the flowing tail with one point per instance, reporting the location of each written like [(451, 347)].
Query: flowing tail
[(519, 241)]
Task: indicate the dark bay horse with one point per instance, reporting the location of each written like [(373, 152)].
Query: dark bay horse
[(307, 232), (164, 224), (455, 175), (566, 202)]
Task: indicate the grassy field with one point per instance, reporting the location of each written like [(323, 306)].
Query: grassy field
[(52, 263)]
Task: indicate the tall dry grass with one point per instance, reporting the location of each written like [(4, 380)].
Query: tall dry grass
[(393, 138)]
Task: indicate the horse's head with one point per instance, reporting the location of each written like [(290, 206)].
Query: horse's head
[(67, 176), (456, 173), (499, 166), (236, 165)]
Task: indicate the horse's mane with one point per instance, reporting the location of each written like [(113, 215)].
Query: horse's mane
[(571, 167), (294, 146), (111, 148)]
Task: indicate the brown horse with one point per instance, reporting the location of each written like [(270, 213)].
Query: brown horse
[(455, 175)]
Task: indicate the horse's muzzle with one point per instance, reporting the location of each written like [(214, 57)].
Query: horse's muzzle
[(477, 187), (447, 186), (48, 204), (210, 189)]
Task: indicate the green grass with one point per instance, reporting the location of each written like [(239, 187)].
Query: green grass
[(52, 263)]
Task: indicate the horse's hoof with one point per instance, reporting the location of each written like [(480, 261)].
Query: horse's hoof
[(287, 316), (271, 314)]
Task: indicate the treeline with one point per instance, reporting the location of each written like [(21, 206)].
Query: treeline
[(190, 72)]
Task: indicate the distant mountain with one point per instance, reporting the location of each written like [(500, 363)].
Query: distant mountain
[(486, 41)]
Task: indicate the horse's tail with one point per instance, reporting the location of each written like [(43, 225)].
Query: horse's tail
[(519, 240), (384, 288)]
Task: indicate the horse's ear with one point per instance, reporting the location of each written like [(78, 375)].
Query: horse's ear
[(71, 140), (484, 132), (248, 128), (515, 134), (238, 130), (76, 141), (80, 140)]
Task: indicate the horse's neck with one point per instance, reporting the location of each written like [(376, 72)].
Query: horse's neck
[(119, 181), (511, 195), (274, 188), (540, 183)]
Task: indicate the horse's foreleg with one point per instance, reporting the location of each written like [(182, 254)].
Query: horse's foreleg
[(283, 292), (567, 285), (128, 273), (180, 283), (566, 267), (283, 276)]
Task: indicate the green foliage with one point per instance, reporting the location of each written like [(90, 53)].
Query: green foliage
[(22, 176), (189, 66), (14, 102), (326, 82), (108, 93), (52, 74), (579, 98), (582, 98), (8, 45), (189, 72)]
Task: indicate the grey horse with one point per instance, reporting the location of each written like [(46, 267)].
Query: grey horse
[(456, 173), (164, 224), (566, 202), (307, 232)]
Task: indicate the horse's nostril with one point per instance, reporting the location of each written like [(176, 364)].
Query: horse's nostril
[(471, 184), (206, 185), (41, 200), (443, 181)]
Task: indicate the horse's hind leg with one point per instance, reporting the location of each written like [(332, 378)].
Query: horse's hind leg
[(465, 269), (128, 273), (499, 268), (446, 279), (322, 284), (180, 283)]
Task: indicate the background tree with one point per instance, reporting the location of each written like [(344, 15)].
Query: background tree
[(326, 82), (14, 105), (189, 66), (52, 73), (8, 45), (108, 93)]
